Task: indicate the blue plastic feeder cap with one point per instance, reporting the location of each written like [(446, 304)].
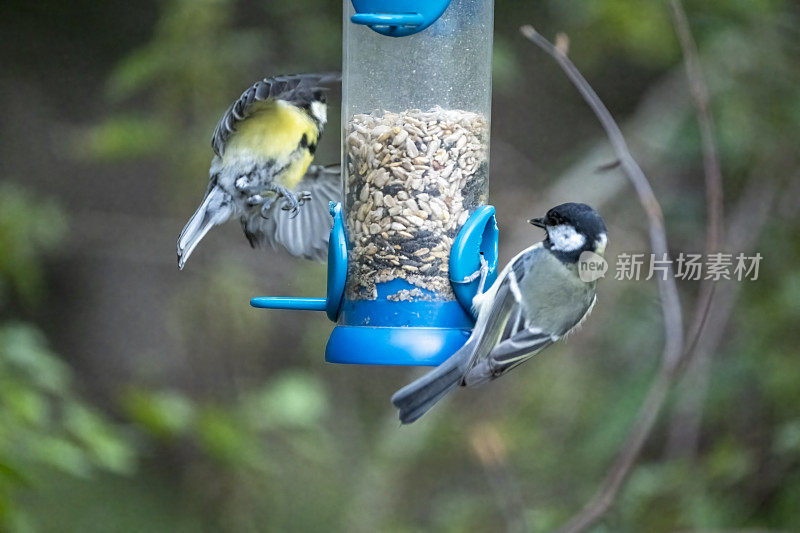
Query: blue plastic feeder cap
[(398, 18), (382, 331)]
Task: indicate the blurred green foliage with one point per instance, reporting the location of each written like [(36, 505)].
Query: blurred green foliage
[(45, 427), (24, 237), (229, 441)]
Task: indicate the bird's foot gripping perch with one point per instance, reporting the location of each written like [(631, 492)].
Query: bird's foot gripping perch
[(482, 273)]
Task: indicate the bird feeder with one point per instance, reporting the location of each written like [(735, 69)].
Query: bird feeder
[(416, 88)]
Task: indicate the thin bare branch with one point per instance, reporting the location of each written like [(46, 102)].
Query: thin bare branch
[(674, 354), (682, 439), (668, 291), (606, 495), (670, 304), (699, 92)]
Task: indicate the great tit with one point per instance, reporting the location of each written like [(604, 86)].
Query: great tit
[(263, 145), (537, 299)]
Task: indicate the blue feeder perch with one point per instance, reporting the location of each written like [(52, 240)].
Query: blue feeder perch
[(415, 158)]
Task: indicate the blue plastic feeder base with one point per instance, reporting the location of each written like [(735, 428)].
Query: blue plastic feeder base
[(379, 329), (393, 345), (386, 332)]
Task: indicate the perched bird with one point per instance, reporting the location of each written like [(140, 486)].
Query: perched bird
[(263, 145), (538, 298)]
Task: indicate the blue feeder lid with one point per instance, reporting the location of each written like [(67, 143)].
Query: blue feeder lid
[(398, 18)]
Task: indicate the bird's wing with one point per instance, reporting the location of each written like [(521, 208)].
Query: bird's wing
[(518, 339), (306, 235), (526, 341), (297, 89), (527, 332)]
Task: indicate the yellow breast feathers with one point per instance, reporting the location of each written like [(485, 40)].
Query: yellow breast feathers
[(275, 131)]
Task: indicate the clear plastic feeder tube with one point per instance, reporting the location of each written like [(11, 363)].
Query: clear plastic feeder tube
[(415, 152)]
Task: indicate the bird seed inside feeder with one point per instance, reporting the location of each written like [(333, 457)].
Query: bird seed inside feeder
[(412, 180)]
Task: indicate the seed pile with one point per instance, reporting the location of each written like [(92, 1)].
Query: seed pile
[(412, 180)]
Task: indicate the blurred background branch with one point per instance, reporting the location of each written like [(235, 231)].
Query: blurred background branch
[(675, 353), (684, 428), (668, 290)]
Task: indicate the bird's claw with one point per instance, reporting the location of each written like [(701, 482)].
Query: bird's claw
[(472, 277), (267, 203), (267, 199), (304, 197), (292, 204), (482, 272)]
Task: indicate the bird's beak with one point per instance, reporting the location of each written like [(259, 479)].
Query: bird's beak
[(538, 222)]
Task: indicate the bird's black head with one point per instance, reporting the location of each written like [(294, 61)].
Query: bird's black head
[(572, 229), (320, 95), (314, 101)]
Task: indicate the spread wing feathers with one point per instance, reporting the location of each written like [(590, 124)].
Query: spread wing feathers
[(216, 208), (297, 89), (305, 235)]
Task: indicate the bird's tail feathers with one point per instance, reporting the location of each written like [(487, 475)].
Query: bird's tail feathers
[(215, 209), (416, 398)]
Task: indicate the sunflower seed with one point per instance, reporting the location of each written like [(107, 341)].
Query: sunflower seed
[(412, 180)]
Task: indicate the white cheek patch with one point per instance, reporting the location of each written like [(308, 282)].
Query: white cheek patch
[(600, 244), (320, 111), (565, 238)]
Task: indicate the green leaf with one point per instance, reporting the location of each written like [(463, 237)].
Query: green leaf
[(63, 455), (25, 236), (23, 351), (125, 137), (166, 415), (293, 399), (221, 436), (107, 449)]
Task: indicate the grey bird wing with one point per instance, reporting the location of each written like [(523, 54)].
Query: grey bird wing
[(533, 303), (306, 235), (538, 300), (298, 89), (416, 398)]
